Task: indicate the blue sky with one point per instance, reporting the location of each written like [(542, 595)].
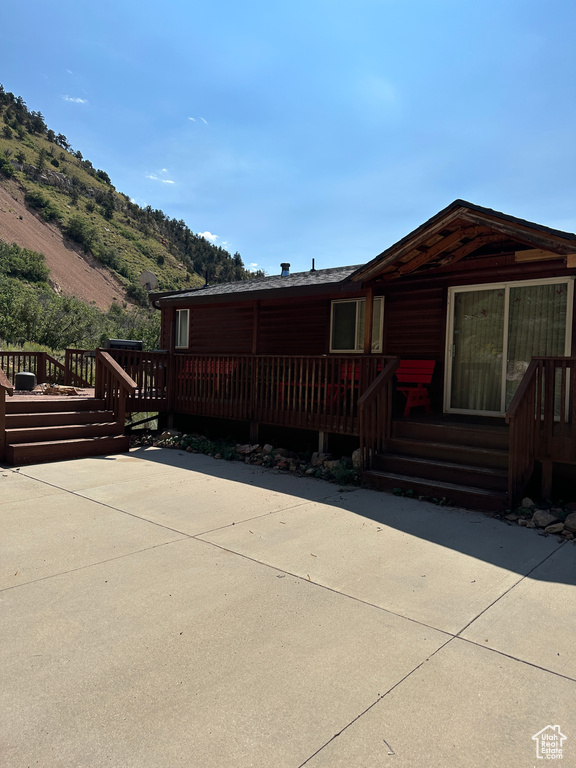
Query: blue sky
[(323, 129)]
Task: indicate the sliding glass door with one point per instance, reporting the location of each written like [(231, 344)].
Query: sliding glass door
[(494, 331)]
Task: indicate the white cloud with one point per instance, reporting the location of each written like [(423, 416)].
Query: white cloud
[(253, 265), (208, 236), (153, 177), (204, 121), (193, 119), (75, 99)]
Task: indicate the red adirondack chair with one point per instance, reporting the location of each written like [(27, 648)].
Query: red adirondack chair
[(412, 375)]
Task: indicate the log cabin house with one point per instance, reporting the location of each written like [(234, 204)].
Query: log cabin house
[(482, 300), (486, 296)]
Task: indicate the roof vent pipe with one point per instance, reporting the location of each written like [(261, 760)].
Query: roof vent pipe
[(285, 267)]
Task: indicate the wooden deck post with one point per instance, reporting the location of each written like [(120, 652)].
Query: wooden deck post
[(546, 488), (254, 432)]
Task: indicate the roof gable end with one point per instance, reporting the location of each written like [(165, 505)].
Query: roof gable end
[(455, 232)]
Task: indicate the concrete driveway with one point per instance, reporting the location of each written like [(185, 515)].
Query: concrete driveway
[(164, 609)]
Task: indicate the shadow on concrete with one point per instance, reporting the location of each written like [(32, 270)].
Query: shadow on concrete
[(476, 534)]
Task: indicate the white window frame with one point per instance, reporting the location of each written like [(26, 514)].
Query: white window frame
[(177, 340), (377, 330)]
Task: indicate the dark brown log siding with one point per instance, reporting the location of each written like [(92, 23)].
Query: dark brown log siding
[(414, 323), (300, 327), (168, 315), (221, 330)]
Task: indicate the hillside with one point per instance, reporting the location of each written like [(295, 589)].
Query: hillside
[(95, 240), (72, 272)]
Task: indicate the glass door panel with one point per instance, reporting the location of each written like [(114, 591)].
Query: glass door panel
[(536, 327), (478, 345)]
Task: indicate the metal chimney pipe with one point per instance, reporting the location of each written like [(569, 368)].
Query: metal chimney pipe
[(285, 267)]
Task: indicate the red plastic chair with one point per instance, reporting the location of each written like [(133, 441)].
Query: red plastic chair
[(412, 375)]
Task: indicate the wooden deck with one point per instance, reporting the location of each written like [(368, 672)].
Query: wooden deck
[(348, 395)]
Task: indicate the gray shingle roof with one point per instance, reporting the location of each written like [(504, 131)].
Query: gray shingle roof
[(293, 280)]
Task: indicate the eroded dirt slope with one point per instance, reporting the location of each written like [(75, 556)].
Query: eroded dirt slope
[(71, 272)]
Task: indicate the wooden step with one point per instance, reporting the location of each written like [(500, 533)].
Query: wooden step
[(60, 450), (53, 418), (442, 471), (461, 454), (61, 432), (471, 435), (55, 404), (470, 497)]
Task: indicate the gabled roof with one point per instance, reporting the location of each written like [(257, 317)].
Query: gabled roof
[(452, 234), (244, 289), (455, 232)]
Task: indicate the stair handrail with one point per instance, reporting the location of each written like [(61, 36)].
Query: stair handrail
[(6, 388), (375, 414), (113, 385), (523, 435)]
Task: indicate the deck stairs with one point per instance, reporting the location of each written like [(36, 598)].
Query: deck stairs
[(55, 429), (464, 462)]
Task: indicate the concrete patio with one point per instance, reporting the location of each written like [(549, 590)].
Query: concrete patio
[(162, 608)]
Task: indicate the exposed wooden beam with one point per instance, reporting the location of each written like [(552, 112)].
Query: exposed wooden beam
[(571, 261), (443, 245), (412, 242), (468, 248), (535, 254), (523, 234)]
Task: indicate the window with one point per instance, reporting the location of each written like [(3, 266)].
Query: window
[(347, 325), (182, 328)]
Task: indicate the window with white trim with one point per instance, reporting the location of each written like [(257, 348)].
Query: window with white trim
[(182, 328), (347, 325)]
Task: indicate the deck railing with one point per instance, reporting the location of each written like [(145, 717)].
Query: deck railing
[(45, 367), (151, 373), (311, 392), (6, 388), (542, 419), (80, 365), (375, 407)]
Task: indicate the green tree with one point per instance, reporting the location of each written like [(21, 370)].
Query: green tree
[(82, 231)]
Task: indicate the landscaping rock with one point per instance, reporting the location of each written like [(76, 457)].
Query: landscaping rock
[(555, 528), (246, 450), (168, 433), (527, 503), (331, 464), (267, 448), (357, 459), (543, 518), (567, 535), (523, 522), (530, 524), (512, 516), (570, 522)]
